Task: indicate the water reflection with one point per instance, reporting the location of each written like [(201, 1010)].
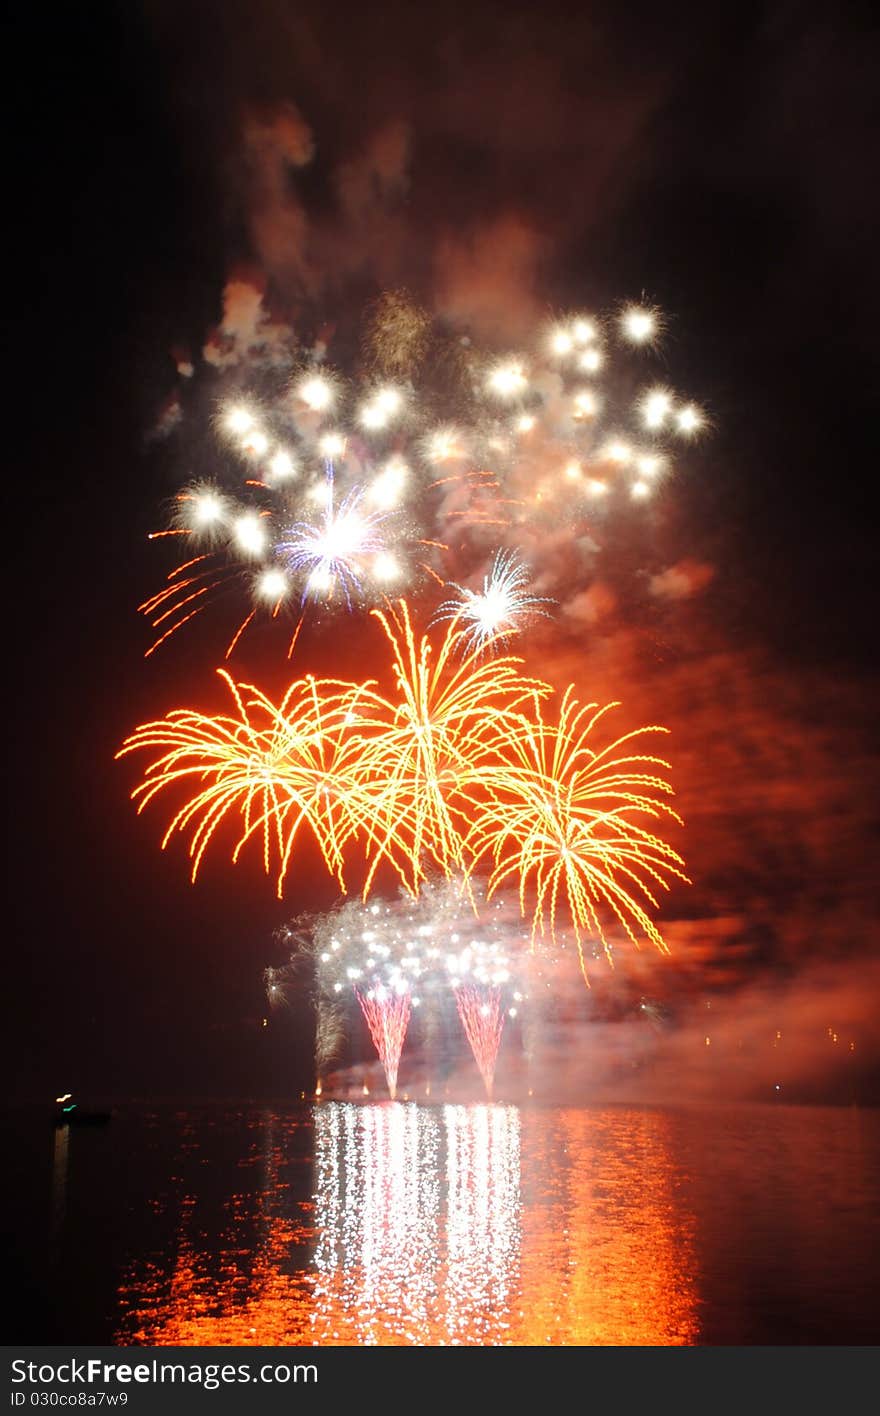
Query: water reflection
[(401, 1257), (483, 1221), (608, 1248), (419, 1225), (60, 1168), (230, 1283), (377, 1222)]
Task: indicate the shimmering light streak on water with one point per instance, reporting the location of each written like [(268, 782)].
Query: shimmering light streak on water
[(60, 1160), (376, 1220), (482, 1221)]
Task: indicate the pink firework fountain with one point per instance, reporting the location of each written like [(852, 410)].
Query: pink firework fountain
[(480, 971), (450, 938), (482, 1018), (378, 952), (387, 1013)]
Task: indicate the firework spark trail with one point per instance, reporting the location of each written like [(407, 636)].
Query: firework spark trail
[(276, 767), (387, 1015), (482, 1018), (482, 964), (459, 768), (557, 819), (329, 1032), (171, 601), (443, 731)]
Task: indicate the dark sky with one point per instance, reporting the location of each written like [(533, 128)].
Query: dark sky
[(722, 159)]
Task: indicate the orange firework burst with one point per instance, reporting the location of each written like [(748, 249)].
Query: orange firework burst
[(458, 767), (442, 734), (558, 820), (277, 768)]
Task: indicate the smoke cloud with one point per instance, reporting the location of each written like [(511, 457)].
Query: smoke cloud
[(681, 581), (247, 334), (428, 179), (275, 145), (487, 280)]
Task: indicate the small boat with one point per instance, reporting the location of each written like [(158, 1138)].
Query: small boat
[(69, 1113)]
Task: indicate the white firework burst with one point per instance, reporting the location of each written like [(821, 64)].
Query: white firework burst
[(502, 608), (337, 548)]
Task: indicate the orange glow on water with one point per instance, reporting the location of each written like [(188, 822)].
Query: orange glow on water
[(445, 1225), (599, 1271)]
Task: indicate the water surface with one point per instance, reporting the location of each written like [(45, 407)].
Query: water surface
[(403, 1224)]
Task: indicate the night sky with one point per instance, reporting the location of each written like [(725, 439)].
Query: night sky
[(503, 162)]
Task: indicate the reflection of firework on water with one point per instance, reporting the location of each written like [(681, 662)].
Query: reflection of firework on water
[(453, 453), (483, 1215), (377, 1223), (418, 1223)]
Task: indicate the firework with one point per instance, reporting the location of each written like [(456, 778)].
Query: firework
[(344, 760), (274, 983), (397, 334), (502, 608), (558, 820), (338, 548), (641, 324), (446, 437), (392, 955), (387, 1016), (329, 1032), (380, 952), (484, 947), (424, 748), (375, 946), (459, 767), (483, 1021), (276, 769)]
